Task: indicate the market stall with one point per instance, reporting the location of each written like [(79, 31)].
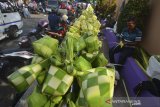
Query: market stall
[(73, 73)]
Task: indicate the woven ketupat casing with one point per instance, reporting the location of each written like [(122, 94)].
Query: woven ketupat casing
[(90, 56), (92, 44), (97, 87), (37, 99), (82, 64), (45, 46), (81, 101), (57, 82), (100, 61), (24, 77), (36, 59), (79, 44)]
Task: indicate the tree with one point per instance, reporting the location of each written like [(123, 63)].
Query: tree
[(106, 7), (139, 9)]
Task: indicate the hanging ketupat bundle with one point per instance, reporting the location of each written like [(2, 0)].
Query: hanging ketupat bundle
[(45, 46), (73, 59), (24, 77), (97, 87), (92, 44), (56, 59), (41, 77), (79, 44), (100, 61), (82, 64), (37, 99), (57, 82), (74, 29), (81, 101), (36, 59), (90, 56)]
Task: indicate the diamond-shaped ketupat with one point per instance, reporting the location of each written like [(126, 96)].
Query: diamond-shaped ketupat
[(57, 82)]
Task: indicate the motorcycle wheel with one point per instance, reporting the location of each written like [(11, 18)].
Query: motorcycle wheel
[(12, 33)]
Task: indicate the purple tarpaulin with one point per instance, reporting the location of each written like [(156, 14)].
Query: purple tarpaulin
[(131, 72), (110, 36), (133, 75), (112, 40)]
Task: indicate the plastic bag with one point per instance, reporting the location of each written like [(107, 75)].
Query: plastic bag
[(153, 70)]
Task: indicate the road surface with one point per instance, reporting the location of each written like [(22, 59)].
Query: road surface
[(29, 24)]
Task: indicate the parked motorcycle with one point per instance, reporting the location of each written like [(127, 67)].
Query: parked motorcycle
[(42, 29), (12, 59), (9, 62)]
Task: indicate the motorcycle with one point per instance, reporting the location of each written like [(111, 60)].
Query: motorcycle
[(43, 28), (40, 29), (9, 62), (12, 59)]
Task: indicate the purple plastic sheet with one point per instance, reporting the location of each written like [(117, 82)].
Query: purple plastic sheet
[(133, 75), (110, 36), (112, 40), (131, 72)]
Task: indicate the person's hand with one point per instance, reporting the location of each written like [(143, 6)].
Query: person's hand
[(60, 35), (121, 43), (130, 43), (57, 35)]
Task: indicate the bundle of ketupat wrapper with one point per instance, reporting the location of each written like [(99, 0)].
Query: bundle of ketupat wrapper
[(57, 67)]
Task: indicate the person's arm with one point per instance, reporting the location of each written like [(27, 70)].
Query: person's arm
[(135, 43), (123, 34), (137, 39), (131, 43), (54, 34), (124, 39), (139, 36)]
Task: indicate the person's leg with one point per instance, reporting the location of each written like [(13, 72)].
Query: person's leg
[(44, 6), (25, 14), (29, 15), (112, 52), (125, 53)]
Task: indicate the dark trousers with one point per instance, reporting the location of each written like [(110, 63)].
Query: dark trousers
[(125, 52), (44, 5)]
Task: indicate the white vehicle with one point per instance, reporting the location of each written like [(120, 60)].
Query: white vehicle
[(10, 21)]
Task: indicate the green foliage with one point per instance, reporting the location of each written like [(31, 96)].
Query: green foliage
[(106, 7), (111, 9), (142, 58), (139, 9)]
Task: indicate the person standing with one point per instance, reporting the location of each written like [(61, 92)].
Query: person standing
[(26, 12), (54, 20), (43, 2)]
